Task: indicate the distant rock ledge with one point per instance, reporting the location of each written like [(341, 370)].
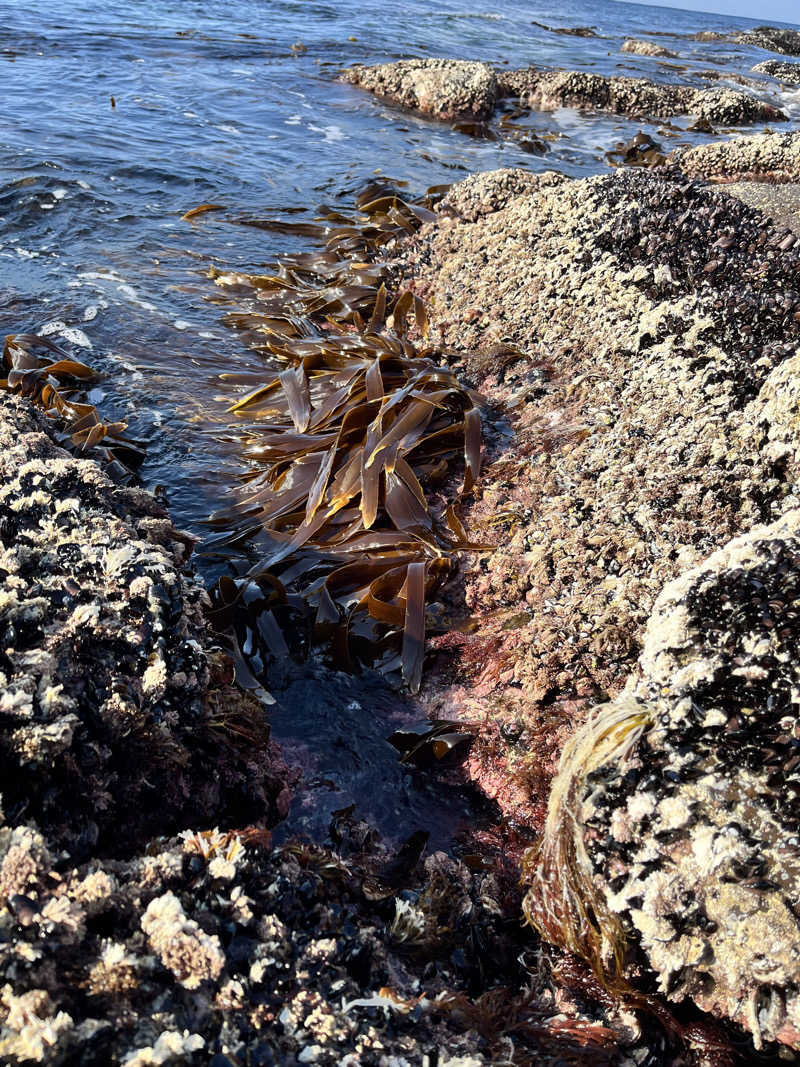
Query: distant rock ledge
[(457, 90)]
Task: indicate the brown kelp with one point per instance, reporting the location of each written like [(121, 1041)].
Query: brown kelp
[(361, 445), (562, 901), (56, 386)]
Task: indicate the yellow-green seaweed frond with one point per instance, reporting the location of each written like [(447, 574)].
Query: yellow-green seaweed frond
[(562, 901)]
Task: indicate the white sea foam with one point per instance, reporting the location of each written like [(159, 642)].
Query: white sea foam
[(68, 333), (330, 133)]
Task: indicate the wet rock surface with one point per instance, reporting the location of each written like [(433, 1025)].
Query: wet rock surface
[(692, 836), (646, 48), (446, 89), (116, 711), (641, 341), (772, 39), (547, 90), (789, 73), (771, 157)]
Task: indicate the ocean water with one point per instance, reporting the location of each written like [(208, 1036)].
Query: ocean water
[(239, 104)]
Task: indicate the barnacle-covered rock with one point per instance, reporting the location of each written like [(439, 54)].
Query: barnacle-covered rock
[(772, 39), (294, 957), (788, 73), (687, 836), (771, 157), (110, 690), (488, 191), (546, 90), (636, 47), (627, 324), (447, 89)]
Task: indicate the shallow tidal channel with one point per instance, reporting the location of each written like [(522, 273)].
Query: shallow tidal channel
[(116, 125)]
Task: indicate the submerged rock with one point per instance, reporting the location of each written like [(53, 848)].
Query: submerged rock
[(789, 73), (646, 48), (762, 157), (568, 31), (446, 89), (772, 39), (547, 90), (687, 830)]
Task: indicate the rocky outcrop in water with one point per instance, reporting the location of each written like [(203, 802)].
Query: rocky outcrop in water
[(646, 48), (642, 340), (548, 90), (690, 837), (454, 90), (446, 89), (124, 942), (788, 73), (114, 703), (764, 157), (772, 39)]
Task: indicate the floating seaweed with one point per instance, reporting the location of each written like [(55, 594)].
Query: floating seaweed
[(433, 742), (56, 386), (640, 151), (361, 445)]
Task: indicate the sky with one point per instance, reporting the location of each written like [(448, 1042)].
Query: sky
[(763, 10)]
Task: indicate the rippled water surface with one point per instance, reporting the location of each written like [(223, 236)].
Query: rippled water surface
[(212, 104)]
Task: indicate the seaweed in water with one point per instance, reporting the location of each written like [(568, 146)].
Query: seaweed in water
[(355, 439), (55, 385)]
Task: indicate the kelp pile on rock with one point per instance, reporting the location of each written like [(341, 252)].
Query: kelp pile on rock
[(119, 722), (655, 322), (352, 493), (56, 386)]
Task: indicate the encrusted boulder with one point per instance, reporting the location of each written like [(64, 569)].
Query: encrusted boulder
[(546, 90), (772, 39), (674, 819), (117, 715), (788, 73), (447, 89), (762, 157), (646, 48)]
